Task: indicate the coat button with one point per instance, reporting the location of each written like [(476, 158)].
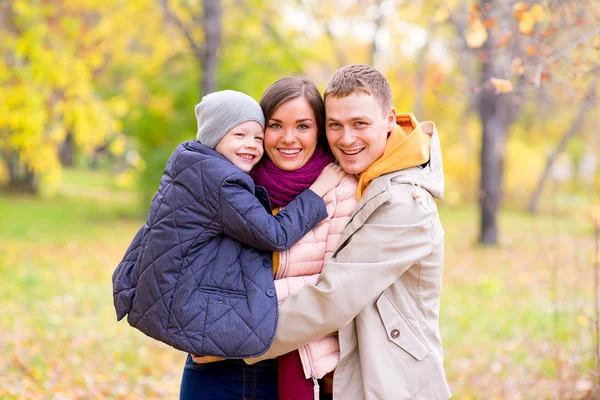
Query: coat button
[(270, 292), (267, 262), (395, 333)]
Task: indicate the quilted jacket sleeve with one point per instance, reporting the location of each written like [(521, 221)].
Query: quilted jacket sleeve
[(123, 290), (243, 218)]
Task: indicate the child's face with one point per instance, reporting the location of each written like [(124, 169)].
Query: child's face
[(243, 145)]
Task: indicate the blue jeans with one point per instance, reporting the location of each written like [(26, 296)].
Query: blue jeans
[(229, 380)]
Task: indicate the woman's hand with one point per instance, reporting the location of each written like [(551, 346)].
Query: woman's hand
[(205, 359), (330, 177)]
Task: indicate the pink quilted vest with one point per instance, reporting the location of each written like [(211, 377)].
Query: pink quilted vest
[(303, 263)]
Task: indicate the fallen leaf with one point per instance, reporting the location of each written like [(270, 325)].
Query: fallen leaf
[(501, 85)]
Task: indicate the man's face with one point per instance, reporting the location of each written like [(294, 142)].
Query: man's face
[(357, 130)]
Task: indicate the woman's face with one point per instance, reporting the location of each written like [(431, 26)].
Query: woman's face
[(291, 135)]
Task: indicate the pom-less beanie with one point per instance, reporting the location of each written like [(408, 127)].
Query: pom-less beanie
[(220, 112)]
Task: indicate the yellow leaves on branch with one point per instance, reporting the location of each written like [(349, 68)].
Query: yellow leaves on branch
[(528, 17), (477, 34), (517, 67), (501, 85), (441, 15)]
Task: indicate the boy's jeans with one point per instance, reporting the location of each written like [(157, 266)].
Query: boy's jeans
[(229, 380)]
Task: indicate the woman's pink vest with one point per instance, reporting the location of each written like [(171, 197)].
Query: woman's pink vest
[(303, 263)]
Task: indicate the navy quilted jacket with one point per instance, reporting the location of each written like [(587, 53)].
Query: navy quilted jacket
[(198, 274)]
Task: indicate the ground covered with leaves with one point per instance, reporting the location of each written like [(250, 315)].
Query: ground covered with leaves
[(517, 321)]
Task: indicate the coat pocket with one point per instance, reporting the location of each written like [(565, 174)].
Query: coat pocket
[(399, 331)]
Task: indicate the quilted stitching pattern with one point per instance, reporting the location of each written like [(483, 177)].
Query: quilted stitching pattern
[(183, 282)]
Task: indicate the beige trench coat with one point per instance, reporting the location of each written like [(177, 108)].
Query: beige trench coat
[(381, 290)]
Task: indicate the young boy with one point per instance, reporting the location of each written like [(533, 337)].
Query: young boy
[(197, 275)]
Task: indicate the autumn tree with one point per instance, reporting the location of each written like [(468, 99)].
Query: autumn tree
[(513, 49), (47, 89)]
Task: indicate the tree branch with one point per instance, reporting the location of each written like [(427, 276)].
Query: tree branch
[(585, 104), (561, 53), (197, 49)]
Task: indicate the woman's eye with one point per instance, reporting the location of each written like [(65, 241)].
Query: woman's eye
[(275, 126), (334, 125), (303, 127)]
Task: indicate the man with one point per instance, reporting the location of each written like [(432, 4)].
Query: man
[(381, 289)]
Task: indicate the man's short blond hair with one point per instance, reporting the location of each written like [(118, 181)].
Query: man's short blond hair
[(360, 78)]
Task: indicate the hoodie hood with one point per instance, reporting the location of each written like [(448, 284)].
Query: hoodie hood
[(431, 178), (408, 145)]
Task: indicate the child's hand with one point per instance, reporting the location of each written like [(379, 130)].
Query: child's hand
[(331, 176)]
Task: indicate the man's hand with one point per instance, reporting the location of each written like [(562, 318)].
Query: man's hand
[(205, 359)]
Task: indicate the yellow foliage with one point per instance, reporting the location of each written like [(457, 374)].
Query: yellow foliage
[(134, 89), (522, 156), (117, 146), (161, 104), (526, 23), (519, 9), (477, 34), (125, 179), (517, 67), (57, 134), (441, 15), (54, 89), (501, 85), (583, 321), (537, 12)]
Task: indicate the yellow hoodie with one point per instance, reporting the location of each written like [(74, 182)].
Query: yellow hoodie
[(407, 146)]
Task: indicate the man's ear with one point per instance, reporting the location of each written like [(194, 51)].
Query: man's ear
[(391, 119)]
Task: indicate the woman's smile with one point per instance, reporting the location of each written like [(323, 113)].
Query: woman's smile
[(289, 153)]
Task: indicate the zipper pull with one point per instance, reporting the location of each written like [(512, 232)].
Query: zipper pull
[(316, 388)]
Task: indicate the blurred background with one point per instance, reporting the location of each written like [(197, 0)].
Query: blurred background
[(96, 94)]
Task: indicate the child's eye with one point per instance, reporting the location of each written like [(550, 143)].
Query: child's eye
[(259, 138), (239, 135)]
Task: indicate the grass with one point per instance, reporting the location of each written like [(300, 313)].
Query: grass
[(515, 320)]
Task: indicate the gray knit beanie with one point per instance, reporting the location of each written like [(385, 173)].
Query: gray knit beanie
[(220, 112)]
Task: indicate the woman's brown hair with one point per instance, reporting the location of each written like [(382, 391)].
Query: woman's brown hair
[(292, 87)]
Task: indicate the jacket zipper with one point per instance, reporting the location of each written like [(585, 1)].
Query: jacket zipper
[(304, 350)]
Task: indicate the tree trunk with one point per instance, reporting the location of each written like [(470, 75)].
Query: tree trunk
[(212, 20), (495, 129), (66, 151), (496, 113), (20, 179)]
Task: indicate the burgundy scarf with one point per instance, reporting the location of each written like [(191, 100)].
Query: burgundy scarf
[(284, 186)]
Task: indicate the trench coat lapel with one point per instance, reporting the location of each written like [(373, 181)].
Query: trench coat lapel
[(375, 195)]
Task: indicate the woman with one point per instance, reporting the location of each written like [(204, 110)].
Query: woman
[(297, 152)]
